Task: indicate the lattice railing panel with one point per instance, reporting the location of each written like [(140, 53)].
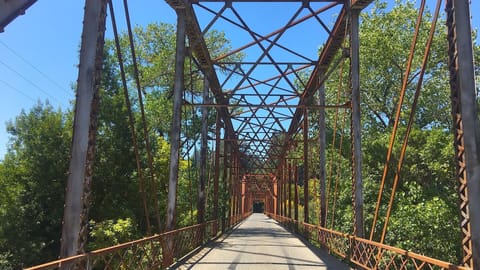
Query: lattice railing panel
[(362, 252), (155, 252)]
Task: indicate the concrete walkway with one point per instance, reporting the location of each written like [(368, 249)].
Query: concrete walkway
[(261, 243)]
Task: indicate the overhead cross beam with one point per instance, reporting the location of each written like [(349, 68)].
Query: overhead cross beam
[(246, 93), (9, 10)]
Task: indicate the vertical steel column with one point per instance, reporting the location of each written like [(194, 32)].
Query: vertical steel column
[(74, 229), (275, 195), (231, 180), (216, 176), (295, 186), (466, 126), (248, 196), (226, 149), (305, 168), (176, 119), (356, 125), (244, 189), (236, 182), (289, 188), (239, 186), (276, 188), (268, 200), (285, 185), (282, 193), (270, 204), (203, 156), (279, 176), (322, 142), (265, 202), (247, 199), (228, 178)]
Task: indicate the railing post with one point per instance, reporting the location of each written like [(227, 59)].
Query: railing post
[(167, 242)]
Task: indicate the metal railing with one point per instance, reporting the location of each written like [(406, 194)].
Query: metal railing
[(362, 252), (154, 252)]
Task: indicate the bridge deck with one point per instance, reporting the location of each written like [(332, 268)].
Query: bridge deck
[(261, 243)]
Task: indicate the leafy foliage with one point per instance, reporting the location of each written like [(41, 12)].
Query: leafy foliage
[(383, 66), (112, 232), (37, 158)]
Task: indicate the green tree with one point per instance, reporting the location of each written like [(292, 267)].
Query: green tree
[(114, 184), (425, 212), (155, 50), (32, 177), (386, 36), (426, 200)]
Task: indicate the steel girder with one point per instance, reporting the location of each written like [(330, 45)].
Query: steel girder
[(9, 10)]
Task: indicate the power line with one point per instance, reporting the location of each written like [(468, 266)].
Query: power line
[(29, 81), (17, 90), (35, 68)]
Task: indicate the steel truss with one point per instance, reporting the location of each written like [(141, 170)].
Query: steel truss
[(263, 90), (264, 87)]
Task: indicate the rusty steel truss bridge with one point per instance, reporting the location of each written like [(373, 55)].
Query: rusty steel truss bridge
[(264, 91)]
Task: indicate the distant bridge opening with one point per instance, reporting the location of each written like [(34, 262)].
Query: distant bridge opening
[(258, 207)]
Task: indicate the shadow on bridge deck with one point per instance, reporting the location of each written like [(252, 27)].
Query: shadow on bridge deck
[(260, 243)]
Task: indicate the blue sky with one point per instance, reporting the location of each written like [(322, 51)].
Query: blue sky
[(39, 52)]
